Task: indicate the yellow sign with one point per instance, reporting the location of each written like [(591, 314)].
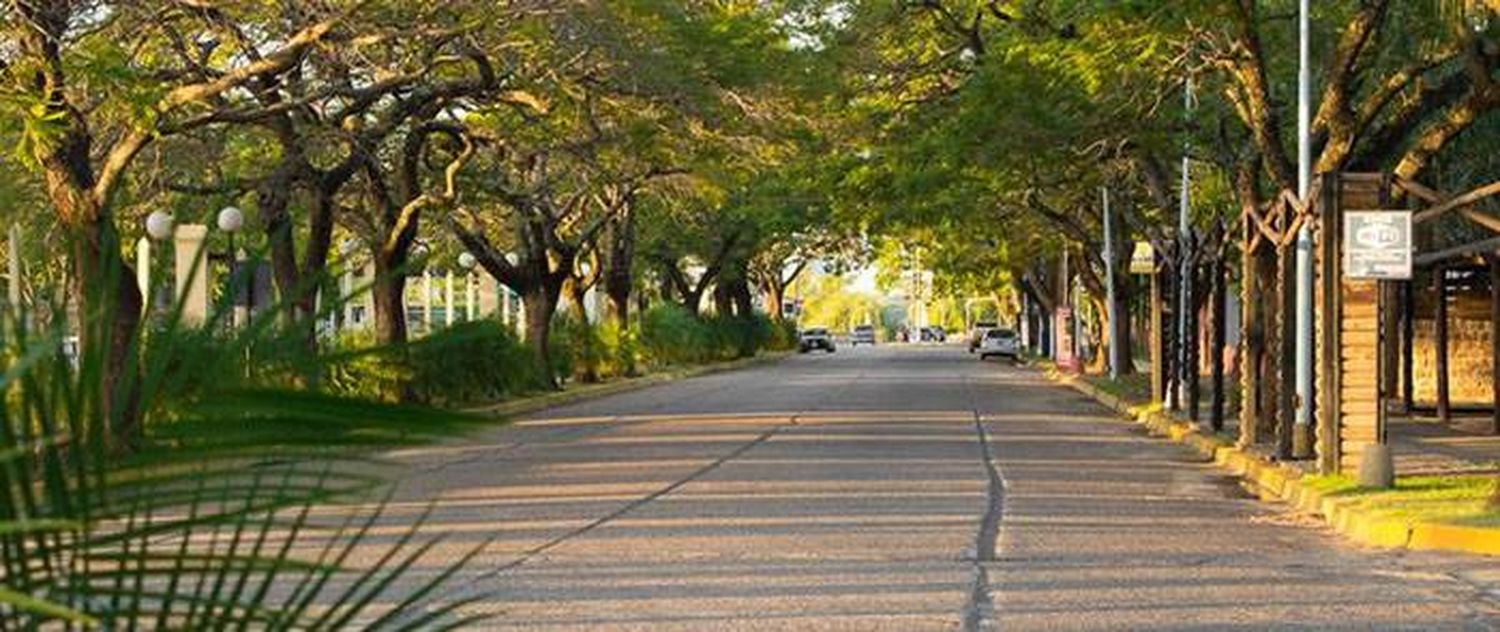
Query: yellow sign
[(1143, 258)]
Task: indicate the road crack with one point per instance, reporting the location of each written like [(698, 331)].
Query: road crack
[(979, 610)]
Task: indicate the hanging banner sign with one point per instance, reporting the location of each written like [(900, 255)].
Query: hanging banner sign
[(1143, 258), (1378, 245)]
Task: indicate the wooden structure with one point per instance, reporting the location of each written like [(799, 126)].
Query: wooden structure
[(1363, 327)]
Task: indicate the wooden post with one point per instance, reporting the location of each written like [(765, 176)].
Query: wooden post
[(1494, 262), (1286, 362), (1440, 280), (1408, 338)]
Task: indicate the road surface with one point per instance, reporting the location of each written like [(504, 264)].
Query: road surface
[(911, 488)]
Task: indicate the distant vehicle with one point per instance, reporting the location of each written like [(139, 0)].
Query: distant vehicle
[(976, 335), (862, 335), (934, 334), (999, 342), (815, 338)]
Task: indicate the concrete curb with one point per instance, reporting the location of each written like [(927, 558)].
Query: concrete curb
[(589, 392), (1277, 482)]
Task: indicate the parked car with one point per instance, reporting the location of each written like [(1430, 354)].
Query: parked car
[(976, 335), (1000, 342), (862, 335), (815, 338), (934, 334)]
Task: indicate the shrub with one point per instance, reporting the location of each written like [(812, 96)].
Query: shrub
[(478, 361), (670, 335)]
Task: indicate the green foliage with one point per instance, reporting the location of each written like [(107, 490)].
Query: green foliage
[(207, 522), (473, 362), (671, 336)]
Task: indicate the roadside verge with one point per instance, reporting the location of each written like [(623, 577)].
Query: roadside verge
[(1284, 483)]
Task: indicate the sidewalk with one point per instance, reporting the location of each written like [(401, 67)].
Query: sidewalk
[(1424, 446), (1445, 476)]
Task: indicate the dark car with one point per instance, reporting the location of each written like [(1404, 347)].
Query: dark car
[(815, 338)]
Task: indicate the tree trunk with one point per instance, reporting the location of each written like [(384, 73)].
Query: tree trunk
[(541, 303), (723, 299), (775, 297), (388, 296), (619, 308), (744, 301), (108, 289), (1217, 318), (110, 299), (578, 300)]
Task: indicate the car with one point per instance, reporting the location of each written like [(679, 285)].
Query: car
[(1000, 342), (934, 334), (976, 334), (815, 338), (862, 335)]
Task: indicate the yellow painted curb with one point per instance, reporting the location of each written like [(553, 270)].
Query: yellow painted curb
[(1283, 483), (1455, 538)]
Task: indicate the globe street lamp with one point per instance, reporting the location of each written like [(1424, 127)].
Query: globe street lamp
[(231, 220), (159, 225), (467, 261)]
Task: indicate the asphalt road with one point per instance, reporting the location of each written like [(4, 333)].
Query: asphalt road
[(909, 488)]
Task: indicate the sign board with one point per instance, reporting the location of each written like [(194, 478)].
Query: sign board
[(1062, 351), (1377, 245), (1143, 258)]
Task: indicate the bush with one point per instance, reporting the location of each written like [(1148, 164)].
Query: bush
[(479, 361), (671, 336), (594, 352)]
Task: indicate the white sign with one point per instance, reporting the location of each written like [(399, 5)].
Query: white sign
[(1377, 245)]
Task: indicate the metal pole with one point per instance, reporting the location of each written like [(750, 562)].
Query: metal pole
[(1184, 252), (1302, 432), (1111, 312)]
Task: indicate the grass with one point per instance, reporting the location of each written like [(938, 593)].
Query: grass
[(1134, 388), (1457, 500)]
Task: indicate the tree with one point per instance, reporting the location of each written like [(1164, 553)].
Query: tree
[(92, 85)]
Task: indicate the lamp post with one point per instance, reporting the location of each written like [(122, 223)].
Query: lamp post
[(466, 262), (159, 227), (419, 254), (231, 220)]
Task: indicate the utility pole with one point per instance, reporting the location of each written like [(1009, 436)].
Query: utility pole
[(1111, 312), (1185, 253), (1302, 447)]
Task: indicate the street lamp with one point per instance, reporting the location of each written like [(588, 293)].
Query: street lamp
[(231, 220), (159, 225), (467, 261)]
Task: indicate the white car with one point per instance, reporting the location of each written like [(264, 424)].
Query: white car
[(999, 342)]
